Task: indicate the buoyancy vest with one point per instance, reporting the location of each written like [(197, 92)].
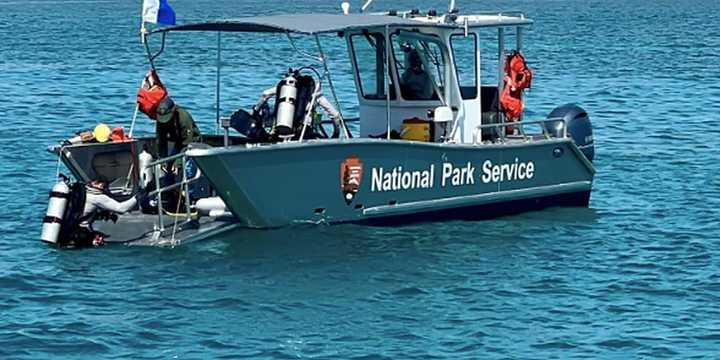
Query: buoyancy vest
[(518, 77), (151, 92)]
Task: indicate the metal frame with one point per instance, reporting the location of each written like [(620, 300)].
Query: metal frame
[(157, 168), (388, 50), (520, 126), (323, 58), (151, 57), (217, 83)]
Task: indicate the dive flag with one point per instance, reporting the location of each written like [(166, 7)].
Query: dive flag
[(158, 11)]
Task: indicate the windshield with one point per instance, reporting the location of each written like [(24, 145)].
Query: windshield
[(421, 64)]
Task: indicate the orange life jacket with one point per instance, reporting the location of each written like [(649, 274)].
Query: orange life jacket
[(151, 92), (518, 77), (118, 135)]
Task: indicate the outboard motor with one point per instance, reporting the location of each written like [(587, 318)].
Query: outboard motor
[(285, 116), (52, 223), (578, 124)]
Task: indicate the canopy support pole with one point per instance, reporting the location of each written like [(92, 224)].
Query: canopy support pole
[(519, 39), (501, 74), (332, 87), (518, 46), (387, 75), (217, 84)]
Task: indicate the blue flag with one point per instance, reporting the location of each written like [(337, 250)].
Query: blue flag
[(166, 15), (158, 12)]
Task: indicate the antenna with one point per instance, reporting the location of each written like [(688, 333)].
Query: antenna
[(452, 6)]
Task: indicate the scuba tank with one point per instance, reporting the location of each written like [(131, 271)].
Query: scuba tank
[(285, 116), (146, 173), (52, 223)]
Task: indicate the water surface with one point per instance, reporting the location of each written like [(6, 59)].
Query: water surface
[(635, 275)]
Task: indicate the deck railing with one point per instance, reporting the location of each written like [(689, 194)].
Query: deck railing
[(183, 184), (520, 126)]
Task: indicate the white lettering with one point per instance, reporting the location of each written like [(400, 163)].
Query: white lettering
[(487, 168), (507, 172), (399, 179), (376, 184), (530, 170), (446, 173)]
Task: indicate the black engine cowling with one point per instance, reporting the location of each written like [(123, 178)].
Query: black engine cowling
[(579, 127)]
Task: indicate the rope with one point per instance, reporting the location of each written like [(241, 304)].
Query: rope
[(172, 239)]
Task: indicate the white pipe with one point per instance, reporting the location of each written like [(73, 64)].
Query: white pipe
[(367, 4), (132, 124)]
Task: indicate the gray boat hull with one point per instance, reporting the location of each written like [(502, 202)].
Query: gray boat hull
[(380, 181)]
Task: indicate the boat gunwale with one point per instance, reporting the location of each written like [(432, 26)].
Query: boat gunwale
[(216, 151)]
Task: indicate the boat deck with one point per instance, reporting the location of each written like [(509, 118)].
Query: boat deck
[(141, 229)]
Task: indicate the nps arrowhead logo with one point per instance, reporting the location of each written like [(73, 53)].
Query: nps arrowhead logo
[(351, 171)]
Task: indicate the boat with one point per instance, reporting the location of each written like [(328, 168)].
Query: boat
[(453, 147)]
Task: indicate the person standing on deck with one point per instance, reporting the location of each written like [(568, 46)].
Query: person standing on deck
[(175, 124)]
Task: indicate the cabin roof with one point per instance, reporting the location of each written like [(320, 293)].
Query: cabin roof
[(329, 23)]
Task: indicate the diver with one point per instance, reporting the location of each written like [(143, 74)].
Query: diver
[(98, 205), (415, 82)]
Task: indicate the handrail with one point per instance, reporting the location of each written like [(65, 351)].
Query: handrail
[(166, 159), (159, 190), (515, 123), (519, 125), (173, 186)]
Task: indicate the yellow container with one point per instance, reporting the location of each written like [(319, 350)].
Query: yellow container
[(415, 129)]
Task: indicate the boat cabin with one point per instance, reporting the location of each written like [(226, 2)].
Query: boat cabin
[(430, 80), (426, 70)]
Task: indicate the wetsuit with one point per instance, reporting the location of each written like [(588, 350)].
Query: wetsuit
[(96, 201)]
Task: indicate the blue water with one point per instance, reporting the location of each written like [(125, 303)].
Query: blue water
[(635, 275)]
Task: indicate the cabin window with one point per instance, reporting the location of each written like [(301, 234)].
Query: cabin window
[(369, 53), (421, 64), (464, 52)]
